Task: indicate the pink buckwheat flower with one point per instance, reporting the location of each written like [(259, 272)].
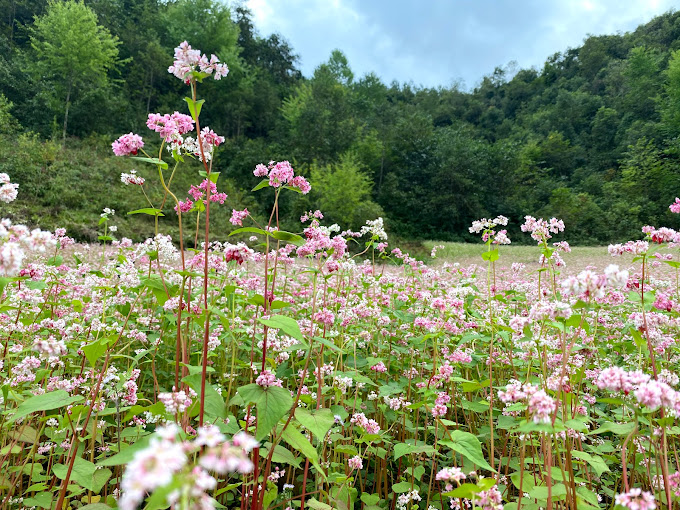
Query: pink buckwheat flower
[(675, 206), (635, 499), (237, 217), (380, 368), (355, 463), (127, 145), (267, 379)]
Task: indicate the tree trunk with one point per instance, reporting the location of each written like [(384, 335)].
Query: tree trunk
[(68, 103)]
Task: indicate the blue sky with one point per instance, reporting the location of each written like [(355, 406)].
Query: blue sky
[(440, 42)]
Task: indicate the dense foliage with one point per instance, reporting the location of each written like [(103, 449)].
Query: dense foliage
[(591, 137)]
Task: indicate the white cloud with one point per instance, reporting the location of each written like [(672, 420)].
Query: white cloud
[(436, 42)]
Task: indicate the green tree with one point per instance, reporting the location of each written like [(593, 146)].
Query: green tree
[(342, 191), (72, 50)]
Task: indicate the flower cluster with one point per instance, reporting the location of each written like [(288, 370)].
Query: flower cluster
[(167, 458), (539, 404), (188, 61), (127, 145), (541, 229), (132, 178), (487, 228), (591, 284), (8, 190), (170, 126), (635, 499), (282, 174)]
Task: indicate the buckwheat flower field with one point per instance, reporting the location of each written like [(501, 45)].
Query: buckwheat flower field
[(298, 371)]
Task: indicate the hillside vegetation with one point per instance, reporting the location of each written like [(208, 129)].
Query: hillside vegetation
[(591, 137)]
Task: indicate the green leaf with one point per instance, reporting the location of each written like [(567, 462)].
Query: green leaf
[(147, 210), (299, 442), (126, 454), (289, 326), (282, 455), (270, 496), (271, 403), (468, 446), (264, 183), (42, 500), (541, 493), (3, 283), (271, 407), (214, 403), (243, 230), (194, 107), (95, 350), (55, 261), (154, 161), (401, 487), (490, 256), (84, 473), (317, 505), (596, 462), (95, 506), (288, 237), (620, 429), (370, 499), (401, 449), (318, 422), (466, 490), (44, 402)]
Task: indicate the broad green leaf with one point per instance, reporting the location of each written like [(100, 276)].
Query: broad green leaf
[(271, 403), (557, 491), (270, 496), (402, 487), (3, 283), (95, 350), (214, 403), (490, 256), (282, 455), (468, 446), (317, 505), (271, 407), (596, 462), (288, 237), (465, 490), (264, 183), (154, 161), (299, 442), (42, 500), (370, 499), (401, 449), (620, 429), (250, 393), (318, 422), (84, 473), (127, 453), (194, 107), (147, 210), (289, 326), (251, 230), (95, 506), (44, 402)]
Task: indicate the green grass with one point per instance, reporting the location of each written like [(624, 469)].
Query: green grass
[(468, 253)]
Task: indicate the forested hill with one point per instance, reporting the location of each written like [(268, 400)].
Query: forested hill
[(591, 137)]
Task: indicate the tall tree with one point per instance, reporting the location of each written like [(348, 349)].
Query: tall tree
[(72, 50)]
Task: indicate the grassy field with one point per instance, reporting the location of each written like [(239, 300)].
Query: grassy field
[(470, 253)]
